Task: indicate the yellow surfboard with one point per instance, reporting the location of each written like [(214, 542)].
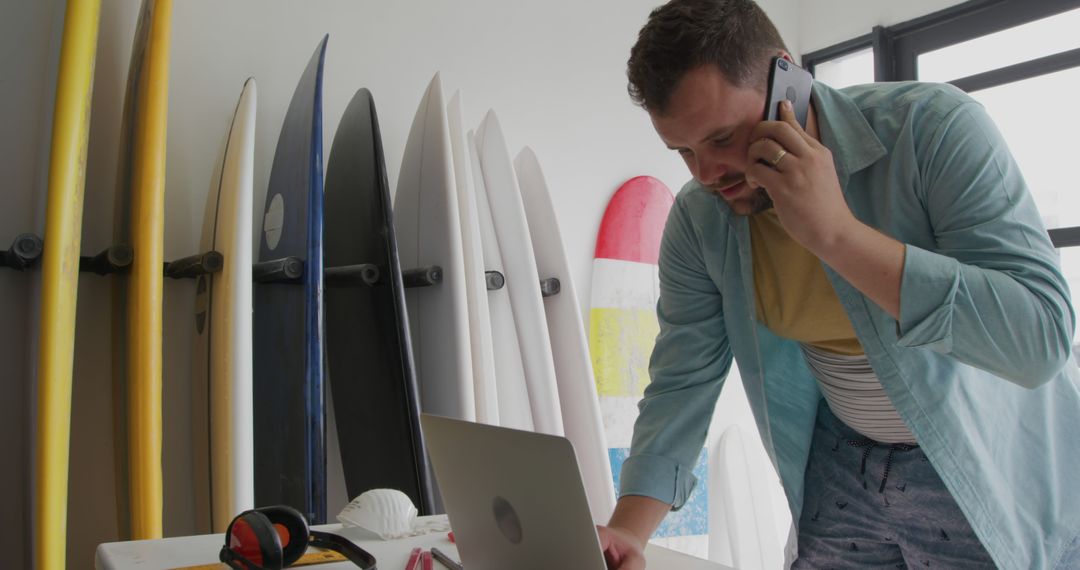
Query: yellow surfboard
[(137, 303), (60, 278)]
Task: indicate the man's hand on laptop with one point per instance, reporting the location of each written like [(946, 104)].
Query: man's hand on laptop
[(622, 550), (623, 539)]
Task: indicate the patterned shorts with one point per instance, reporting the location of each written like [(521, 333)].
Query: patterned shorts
[(878, 505)]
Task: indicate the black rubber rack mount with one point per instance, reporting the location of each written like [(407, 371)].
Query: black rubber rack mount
[(291, 270), (495, 280), (26, 250), (548, 287), (193, 266)]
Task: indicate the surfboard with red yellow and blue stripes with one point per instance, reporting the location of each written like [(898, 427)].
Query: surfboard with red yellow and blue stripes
[(623, 329)]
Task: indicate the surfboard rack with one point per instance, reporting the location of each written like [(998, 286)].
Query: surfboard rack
[(195, 265), (290, 269), (495, 280), (345, 275), (284, 270), (422, 276), (24, 252), (113, 259), (26, 249), (550, 287)]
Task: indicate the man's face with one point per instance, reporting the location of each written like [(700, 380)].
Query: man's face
[(708, 122)]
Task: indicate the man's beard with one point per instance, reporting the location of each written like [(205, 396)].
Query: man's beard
[(759, 202)]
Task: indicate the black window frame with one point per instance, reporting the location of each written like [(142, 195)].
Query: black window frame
[(878, 39), (897, 48)]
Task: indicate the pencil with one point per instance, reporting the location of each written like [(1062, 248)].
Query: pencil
[(446, 560)]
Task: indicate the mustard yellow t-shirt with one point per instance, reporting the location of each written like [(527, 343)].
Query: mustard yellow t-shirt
[(794, 297)]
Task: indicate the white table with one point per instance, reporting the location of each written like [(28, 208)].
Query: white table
[(194, 550), (183, 551)]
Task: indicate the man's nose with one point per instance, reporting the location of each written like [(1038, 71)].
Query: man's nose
[(710, 168)]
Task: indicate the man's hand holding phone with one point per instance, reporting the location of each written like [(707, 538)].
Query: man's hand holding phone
[(798, 173)]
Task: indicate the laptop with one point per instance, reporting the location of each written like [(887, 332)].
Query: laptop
[(516, 500)]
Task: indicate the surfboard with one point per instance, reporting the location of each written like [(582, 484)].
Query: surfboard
[(223, 462), (742, 531), (60, 279), (522, 280), (368, 345), (290, 429), (622, 332), (483, 351), (140, 223), (429, 234), (569, 344), (122, 235), (510, 387)]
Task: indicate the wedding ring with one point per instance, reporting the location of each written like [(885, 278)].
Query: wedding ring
[(779, 156)]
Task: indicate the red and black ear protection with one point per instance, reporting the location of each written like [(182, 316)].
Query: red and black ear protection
[(271, 538)]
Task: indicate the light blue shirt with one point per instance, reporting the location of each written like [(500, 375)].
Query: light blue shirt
[(978, 365)]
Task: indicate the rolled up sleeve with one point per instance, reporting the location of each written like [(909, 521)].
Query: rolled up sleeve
[(689, 363)]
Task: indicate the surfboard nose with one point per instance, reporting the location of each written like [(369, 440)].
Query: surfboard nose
[(634, 221)]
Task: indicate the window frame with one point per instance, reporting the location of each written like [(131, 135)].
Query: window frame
[(878, 39), (897, 48)]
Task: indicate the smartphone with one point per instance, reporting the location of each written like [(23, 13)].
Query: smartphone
[(791, 82)]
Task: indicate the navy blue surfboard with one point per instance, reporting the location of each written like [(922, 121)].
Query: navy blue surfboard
[(289, 415), (369, 351)]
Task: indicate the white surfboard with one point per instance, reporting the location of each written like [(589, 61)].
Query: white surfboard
[(742, 531), (569, 345), (483, 352), (429, 234), (222, 364), (513, 394), (522, 280)]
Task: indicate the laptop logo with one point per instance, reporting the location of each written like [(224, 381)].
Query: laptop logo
[(507, 520)]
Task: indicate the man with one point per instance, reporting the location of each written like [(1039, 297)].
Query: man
[(896, 308)]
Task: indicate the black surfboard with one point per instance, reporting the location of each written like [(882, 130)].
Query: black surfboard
[(369, 352)]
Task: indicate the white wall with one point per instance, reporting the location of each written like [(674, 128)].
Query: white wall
[(554, 71)]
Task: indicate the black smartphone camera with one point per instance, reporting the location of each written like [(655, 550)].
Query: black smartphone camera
[(791, 82)]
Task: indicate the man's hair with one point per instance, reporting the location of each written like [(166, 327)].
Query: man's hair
[(734, 35)]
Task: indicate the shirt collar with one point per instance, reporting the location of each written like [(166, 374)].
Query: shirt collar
[(845, 131)]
